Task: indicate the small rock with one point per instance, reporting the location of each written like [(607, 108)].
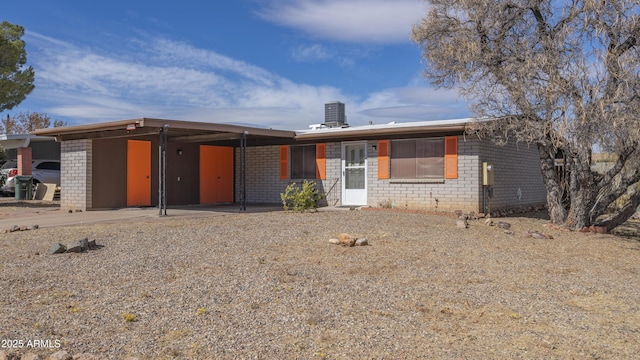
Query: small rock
[(346, 239), (538, 235), (463, 224), (57, 249), (488, 222), (508, 232), (334, 241), (504, 225), (458, 213), (362, 242), (24, 228), (93, 245), (598, 229), (35, 227), (74, 248), (70, 211), (14, 228), (84, 244), (60, 355)]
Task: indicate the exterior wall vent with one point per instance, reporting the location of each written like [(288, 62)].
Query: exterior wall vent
[(334, 115)]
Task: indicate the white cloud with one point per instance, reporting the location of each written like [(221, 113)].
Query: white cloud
[(372, 21), (169, 79), (411, 103), (311, 53)]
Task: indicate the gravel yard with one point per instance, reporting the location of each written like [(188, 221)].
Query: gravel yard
[(270, 286)]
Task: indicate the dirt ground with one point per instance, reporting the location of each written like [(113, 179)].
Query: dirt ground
[(270, 285)]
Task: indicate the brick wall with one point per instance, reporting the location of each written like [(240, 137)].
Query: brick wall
[(517, 175), (518, 181), (263, 174), (462, 193), (75, 174)]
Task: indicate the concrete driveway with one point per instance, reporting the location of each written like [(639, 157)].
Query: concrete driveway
[(48, 214)]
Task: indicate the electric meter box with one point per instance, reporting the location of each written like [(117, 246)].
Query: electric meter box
[(487, 174)]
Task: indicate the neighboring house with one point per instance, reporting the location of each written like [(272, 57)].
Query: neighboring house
[(25, 154), (42, 147), (422, 165)]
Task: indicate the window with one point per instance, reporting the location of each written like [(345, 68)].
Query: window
[(417, 159), (303, 162), (49, 165)]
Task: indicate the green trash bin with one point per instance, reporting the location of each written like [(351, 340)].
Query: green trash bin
[(23, 187)]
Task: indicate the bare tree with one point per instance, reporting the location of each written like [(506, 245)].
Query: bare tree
[(563, 75), (26, 122)]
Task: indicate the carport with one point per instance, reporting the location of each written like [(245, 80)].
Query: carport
[(125, 163)]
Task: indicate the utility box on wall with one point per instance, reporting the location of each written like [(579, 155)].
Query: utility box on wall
[(487, 174)]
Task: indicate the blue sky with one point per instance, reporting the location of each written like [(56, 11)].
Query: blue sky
[(268, 63)]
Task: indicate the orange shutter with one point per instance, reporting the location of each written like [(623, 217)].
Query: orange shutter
[(451, 157), (383, 159), (321, 161), (284, 162)]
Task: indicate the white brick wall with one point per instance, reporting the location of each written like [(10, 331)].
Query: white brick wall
[(442, 195), (516, 167), (75, 174), (263, 174)]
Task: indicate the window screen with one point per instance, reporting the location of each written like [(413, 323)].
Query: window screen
[(303, 162), (417, 159)]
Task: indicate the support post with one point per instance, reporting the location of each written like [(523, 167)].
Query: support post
[(243, 171), (162, 171)]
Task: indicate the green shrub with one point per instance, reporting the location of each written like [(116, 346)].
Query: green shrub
[(300, 198)]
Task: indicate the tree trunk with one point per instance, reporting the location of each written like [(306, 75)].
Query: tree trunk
[(581, 191), (622, 215), (557, 211)]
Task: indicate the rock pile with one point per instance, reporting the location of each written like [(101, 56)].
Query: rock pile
[(515, 211), (77, 247), (506, 227), (15, 228), (349, 240)]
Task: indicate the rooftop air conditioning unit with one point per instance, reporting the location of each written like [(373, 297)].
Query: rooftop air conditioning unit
[(334, 115)]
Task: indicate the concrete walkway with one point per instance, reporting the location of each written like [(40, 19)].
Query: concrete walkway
[(51, 217)]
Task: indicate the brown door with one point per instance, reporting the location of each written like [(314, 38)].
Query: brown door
[(216, 174), (138, 173)]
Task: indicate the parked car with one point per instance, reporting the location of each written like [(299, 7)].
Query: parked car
[(43, 171)]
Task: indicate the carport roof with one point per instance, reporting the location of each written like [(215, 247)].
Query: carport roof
[(14, 141), (191, 131), (178, 131)]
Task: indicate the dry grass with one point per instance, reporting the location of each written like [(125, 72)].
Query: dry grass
[(273, 287)]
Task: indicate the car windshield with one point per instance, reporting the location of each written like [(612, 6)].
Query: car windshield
[(9, 164)]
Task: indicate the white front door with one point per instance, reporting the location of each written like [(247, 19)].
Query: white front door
[(354, 173)]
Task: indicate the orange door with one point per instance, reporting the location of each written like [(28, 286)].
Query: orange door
[(138, 173), (216, 174)]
